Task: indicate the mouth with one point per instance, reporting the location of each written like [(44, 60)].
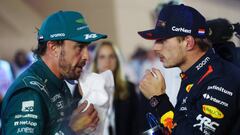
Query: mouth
[(79, 69), (161, 58)]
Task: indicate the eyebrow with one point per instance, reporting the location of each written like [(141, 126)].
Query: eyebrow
[(81, 45)]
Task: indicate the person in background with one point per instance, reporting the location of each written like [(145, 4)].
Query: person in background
[(208, 99), (39, 101), (107, 56), (6, 77), (21, 62)]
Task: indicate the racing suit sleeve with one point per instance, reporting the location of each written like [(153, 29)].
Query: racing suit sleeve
[(25, 114), (210, 112)]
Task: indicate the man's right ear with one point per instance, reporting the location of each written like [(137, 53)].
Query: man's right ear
[(190, 42)]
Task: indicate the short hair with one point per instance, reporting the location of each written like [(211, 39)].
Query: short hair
[(42, 47), (203, 44)]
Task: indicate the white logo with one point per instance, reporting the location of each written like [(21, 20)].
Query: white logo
[(59, 133), (183, 109), (42, 87), (204, 62), (60, 105), (57, 35), (56, 97), (206, 96), (87, 36), (184, 101), (26, 123), (17, 116), (25, 130), (27, 106), (83, 27), (206, 124), (174, 28), (221, 89)]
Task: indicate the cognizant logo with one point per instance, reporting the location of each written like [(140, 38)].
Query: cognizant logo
[(174, 28)]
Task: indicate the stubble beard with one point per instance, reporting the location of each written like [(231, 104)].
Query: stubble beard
[(67, 71)]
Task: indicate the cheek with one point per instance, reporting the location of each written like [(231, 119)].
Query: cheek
[(101, 64), (113, 64)]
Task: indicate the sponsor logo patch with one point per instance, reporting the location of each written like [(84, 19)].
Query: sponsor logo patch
[(27, 106), (59, 133), (184, 30), (83, 27), (220, 89), (87, 36), (161, 23), (212, 111), (81, 21), (56, 97), (211, 98), (188, 87), (167, 119), (17, 116), (202, 63), (25, 123), (27, 130), (57, 35), (206, 125)]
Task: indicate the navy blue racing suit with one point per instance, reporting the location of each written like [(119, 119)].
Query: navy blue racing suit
[(207, 102)]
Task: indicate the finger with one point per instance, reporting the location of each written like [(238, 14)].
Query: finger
[(141, 85), (95, 122), (90, 109), (94, 115), (81, 107), (157, 72)]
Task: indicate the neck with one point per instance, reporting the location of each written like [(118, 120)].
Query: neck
[(52, 66), (191, 58)]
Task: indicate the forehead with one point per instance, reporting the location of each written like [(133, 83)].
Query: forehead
[(168, 40), (105, 49), (74, 43)]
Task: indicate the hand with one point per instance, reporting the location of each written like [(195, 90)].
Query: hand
[(152, 86), (81, 121)]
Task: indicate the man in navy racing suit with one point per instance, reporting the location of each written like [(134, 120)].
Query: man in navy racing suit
[(208, 99)]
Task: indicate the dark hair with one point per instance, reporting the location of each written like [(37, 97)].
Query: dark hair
[(203, 44), (42, 47)]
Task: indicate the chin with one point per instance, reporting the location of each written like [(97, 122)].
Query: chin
[(72, 77), (168, 66)]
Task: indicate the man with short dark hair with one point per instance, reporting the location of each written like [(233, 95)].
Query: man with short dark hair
[(39, 101), (208, 100)]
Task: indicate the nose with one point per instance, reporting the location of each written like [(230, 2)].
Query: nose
[(85, 54), (157, 47)]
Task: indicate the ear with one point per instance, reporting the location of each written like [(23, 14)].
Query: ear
[(190, 42), (53, 48)]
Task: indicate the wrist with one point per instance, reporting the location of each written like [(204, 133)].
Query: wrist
[(155, 100)]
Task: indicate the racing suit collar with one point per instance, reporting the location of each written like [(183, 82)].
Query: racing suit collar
[(44, 72), (200, 67)]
